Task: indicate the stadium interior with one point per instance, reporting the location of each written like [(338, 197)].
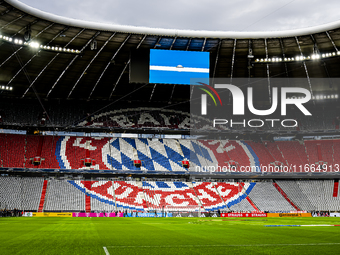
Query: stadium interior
[(78, 136)]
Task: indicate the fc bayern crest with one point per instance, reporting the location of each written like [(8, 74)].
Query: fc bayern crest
[(231, 155), (154, 154), (71, 152)]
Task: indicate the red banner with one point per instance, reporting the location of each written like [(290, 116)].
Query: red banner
[(259, 214)]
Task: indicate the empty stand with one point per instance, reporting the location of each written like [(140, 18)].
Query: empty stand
[(63, 196), (164, 155), (294, 153), (296, 195), (12, 150), (267, 198), (69, 113), (20, 192), (266, 158), (321, 151), (320, 194), (37, 194), (327, 151), (285, 196)]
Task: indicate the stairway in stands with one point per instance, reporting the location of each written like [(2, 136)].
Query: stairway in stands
[(336, 188), (88, 185), (318, 147), (249, 200), (40, 145), (285, 196), (43, 196), (252, 204), (269, 154), (39, 150)]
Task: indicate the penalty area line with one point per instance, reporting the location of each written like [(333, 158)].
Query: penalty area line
[(106, 251), (220, 245)]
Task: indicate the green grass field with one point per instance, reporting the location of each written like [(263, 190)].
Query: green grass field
[(168, 236)]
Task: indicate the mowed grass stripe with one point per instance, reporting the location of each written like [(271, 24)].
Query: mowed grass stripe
[(166, 236)]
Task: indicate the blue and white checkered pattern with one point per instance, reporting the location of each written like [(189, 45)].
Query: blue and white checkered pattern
[(155, 154)]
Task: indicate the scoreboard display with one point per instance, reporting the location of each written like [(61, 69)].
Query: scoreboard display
[(177, 67), (169, 66)]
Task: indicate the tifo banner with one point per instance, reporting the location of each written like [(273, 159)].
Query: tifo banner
[(51, 214), (289, 215), (129, 196), (113, 154), (244, 215), (95, 215)]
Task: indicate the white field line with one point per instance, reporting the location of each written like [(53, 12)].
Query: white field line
[(221, 245), (180, 69), (317, 225), (106, 251)]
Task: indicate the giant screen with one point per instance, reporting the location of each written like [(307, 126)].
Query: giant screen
[(178, 67)]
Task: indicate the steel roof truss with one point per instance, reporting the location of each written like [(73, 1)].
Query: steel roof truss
[(111, 61), (72, 61), (89, 64)]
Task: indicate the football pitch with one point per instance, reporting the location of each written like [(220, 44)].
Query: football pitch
[(169, 236)]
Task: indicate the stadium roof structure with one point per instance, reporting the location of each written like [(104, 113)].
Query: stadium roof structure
[(61, 58)]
